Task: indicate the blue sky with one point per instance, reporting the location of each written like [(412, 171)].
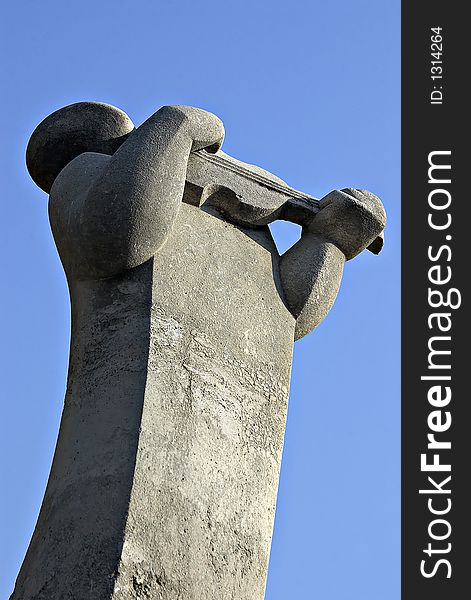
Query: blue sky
[(310, 91)]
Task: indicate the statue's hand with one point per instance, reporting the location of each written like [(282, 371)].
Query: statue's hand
[(205, 129), (350, 219)]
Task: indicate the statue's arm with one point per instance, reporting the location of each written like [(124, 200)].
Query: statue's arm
[(311, 270), (111, 213)]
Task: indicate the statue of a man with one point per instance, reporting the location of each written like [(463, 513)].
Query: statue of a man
[(165, 474)]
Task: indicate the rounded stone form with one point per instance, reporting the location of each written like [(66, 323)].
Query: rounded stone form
[(70, 131)]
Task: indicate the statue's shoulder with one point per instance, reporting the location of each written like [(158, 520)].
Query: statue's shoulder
[(77, 177), (67, 203)]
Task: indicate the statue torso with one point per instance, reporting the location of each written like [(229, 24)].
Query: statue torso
[(186, 359)]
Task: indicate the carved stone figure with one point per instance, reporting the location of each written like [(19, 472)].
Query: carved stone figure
[(165, 474)]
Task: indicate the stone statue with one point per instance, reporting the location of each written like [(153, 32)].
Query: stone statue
[(165, 474)]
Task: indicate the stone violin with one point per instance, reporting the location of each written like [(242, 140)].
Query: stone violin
[(248, 197)]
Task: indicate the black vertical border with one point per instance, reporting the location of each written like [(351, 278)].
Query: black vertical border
[(427, 128)]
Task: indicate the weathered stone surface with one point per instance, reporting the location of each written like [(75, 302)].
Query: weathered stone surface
[(166, 469)]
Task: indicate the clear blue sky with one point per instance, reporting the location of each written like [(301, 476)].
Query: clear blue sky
[(310, 91)]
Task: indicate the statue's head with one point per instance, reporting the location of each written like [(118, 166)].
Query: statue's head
[(70, 131)]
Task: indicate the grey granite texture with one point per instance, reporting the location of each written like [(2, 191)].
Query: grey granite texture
[(165, 474)]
